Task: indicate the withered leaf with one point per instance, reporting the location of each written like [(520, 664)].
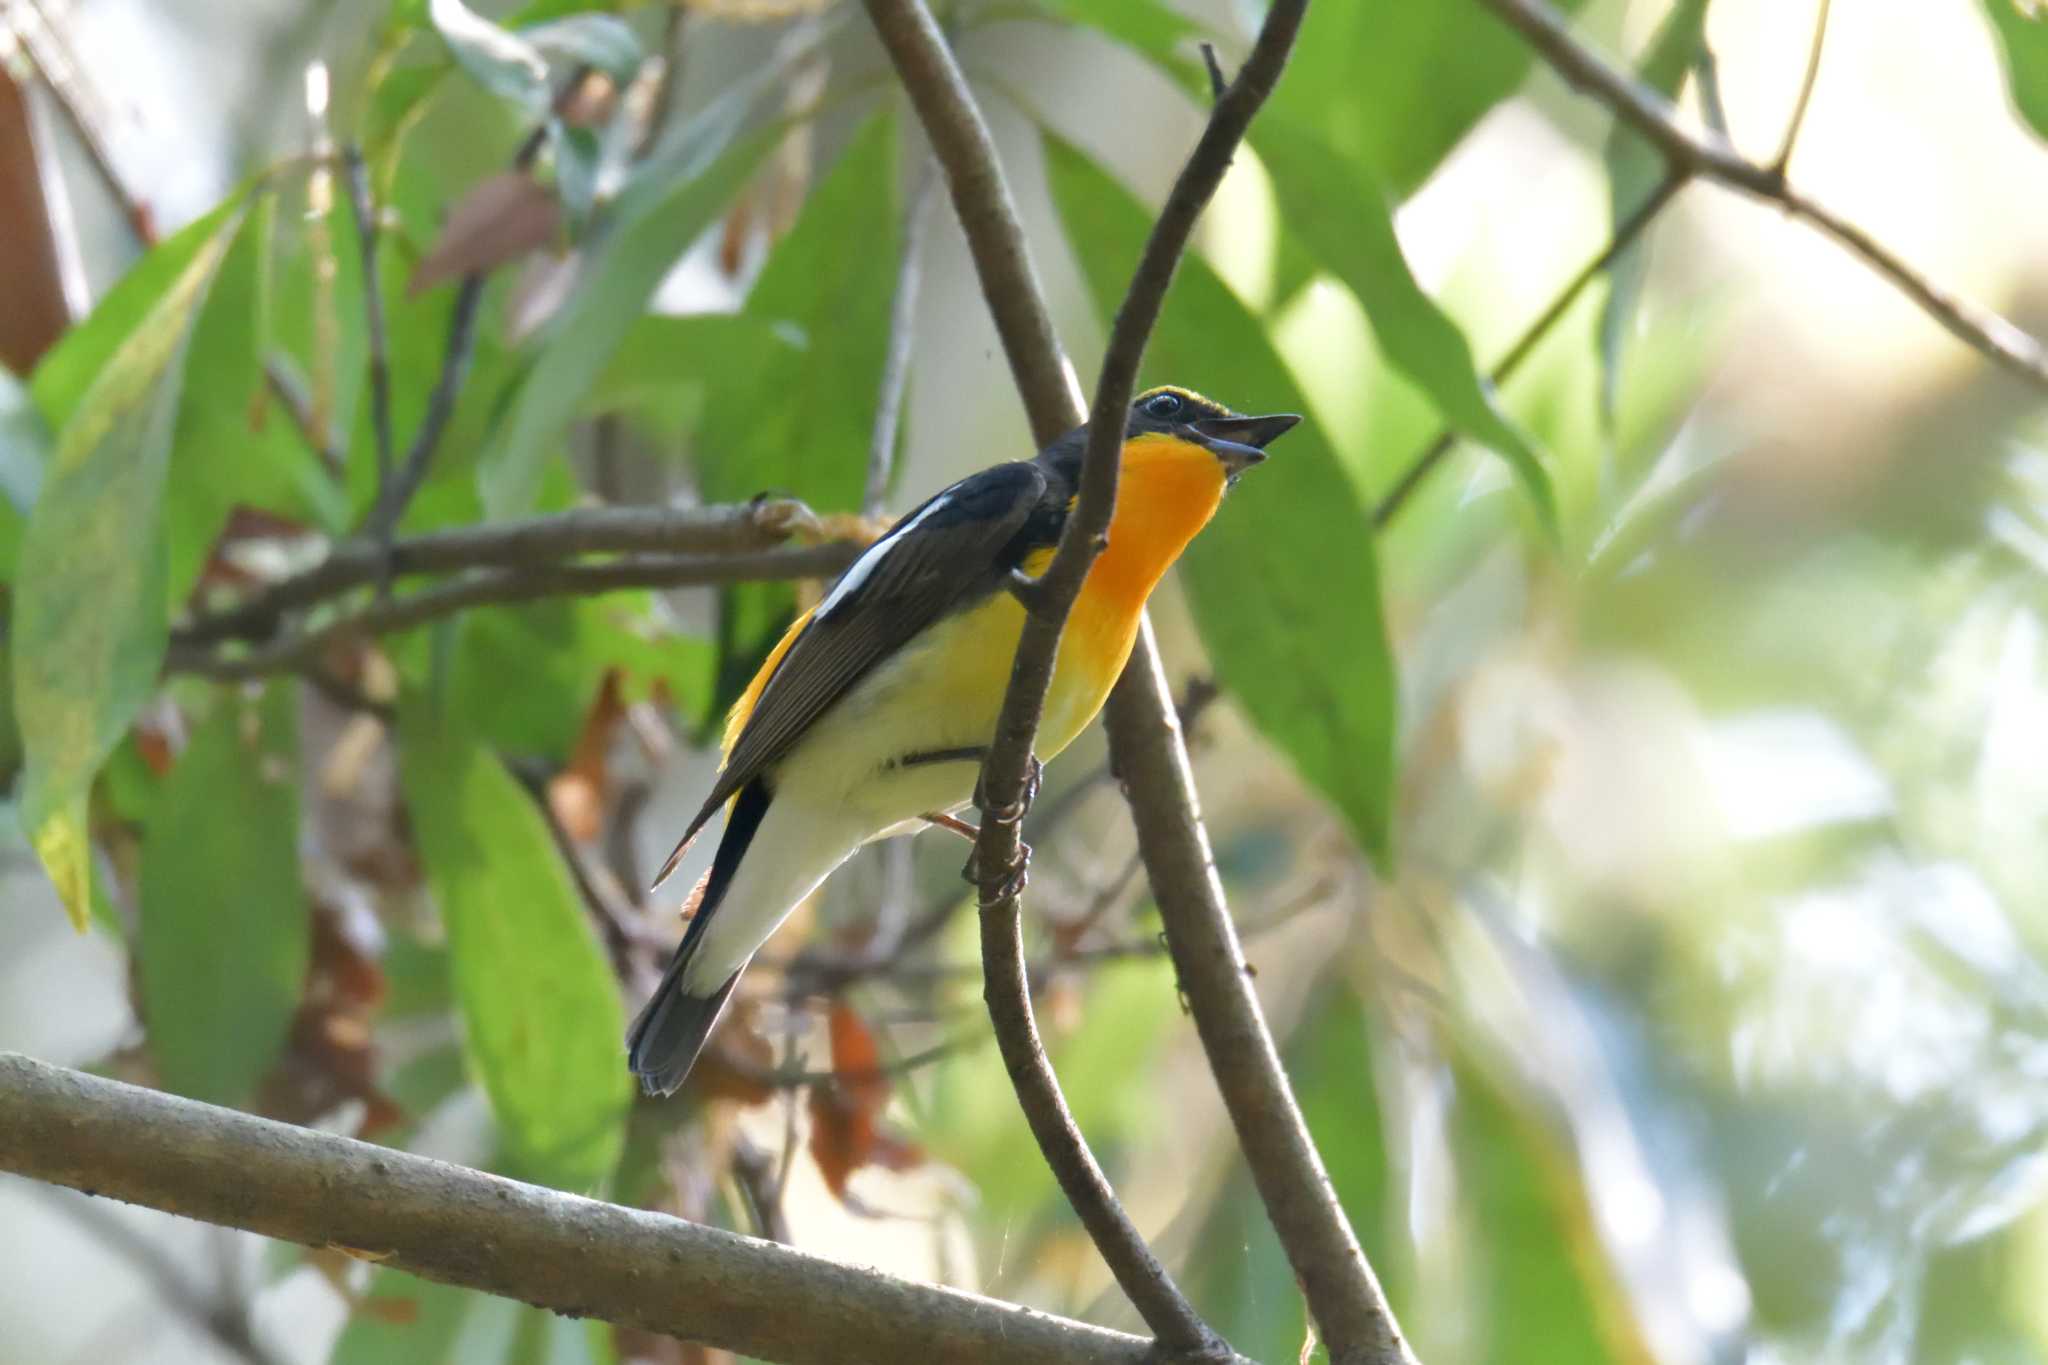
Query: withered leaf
[(499, 220)]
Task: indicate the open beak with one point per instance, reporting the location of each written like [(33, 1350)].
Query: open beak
[(1240, 442)]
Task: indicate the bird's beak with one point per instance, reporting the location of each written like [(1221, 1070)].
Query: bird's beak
[(1240, 442)]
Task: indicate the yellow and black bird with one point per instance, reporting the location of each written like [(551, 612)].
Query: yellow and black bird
[(875, 708)]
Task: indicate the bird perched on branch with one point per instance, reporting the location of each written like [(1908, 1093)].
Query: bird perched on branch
[(874, 711)]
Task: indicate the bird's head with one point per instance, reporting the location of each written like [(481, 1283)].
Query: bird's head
[(1169, 422)]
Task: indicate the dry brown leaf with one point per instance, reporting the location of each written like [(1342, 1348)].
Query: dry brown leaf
[(846, 1128), (499, 220), (577, 795)]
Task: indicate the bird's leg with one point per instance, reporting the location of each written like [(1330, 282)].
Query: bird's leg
[(954, 823), (1007, 882)]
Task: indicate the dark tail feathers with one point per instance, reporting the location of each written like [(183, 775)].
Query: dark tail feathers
[(664, 1041), (671, 1030)]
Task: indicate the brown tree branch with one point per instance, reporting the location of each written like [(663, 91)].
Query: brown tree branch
[(988, 215), (296, 653), (1806, 84), (1148, 738), (981, 198), (1712, 157), (733, 529), (1624, 236), (575, 1256), (896, 362)]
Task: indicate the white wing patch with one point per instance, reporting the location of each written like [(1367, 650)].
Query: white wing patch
[(859, 571)]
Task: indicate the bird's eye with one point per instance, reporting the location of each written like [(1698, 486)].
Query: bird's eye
[(1163, 405)]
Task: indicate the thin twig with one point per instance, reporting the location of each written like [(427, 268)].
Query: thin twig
[(727, 529), (902, 336), (1290, 1175), (753, 1170), (286, 386), (394, 496), (1624, 236), (365, 212), (1792, 126), (988, 215), (998, 852), (488, 586), (1712, 157), (576, 1256)]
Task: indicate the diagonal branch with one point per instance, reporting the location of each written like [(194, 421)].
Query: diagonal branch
[(1349, 1307), (296, 653), (729, 529), (1711, 157), (1344, 1298), (578, 1257), (1624, 236), (988, 215), (896, 362)]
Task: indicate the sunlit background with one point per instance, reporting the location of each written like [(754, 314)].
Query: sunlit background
[(1702, 1016)]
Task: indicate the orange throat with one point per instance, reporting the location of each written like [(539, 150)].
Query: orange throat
[(1167, 490)]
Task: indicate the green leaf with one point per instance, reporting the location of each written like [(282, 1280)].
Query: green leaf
[(560, 651), (1396, 86), (540, 1012), (798, 424), (1546, 1286), (225, 932), (1339, 211), (603, 41), (673, 199), (90, 620), (1633, 169), (2022, 30), (1290, 558), (220, 458), (405, 1320), (503, 63)]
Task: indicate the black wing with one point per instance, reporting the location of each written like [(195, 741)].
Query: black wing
[(954, 549)]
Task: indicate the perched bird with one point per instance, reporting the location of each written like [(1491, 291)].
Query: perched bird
[(874, 710)]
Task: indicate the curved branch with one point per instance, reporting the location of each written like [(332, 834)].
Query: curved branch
[(988, 215), (1290, 1176), (295, 653), (509, 544), (1711, 156), (1343, 1294), (575, 1256)]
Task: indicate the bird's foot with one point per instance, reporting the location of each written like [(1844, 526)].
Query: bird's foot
[(999, 884), (1011, 812)]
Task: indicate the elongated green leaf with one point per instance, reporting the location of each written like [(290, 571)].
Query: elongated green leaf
[(799, 423), (225, 932), (503, 63), (91, 619), (1290, 558), (1633, 169), (674, 197), (2022, 30), (540, 1012), (1339, 211), (1544, 1274), (1396, 86), (220, 459)]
